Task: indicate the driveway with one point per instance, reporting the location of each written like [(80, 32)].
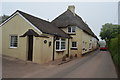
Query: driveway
[(97, 64)]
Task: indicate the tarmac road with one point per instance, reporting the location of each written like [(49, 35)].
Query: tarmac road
[(97, 64)]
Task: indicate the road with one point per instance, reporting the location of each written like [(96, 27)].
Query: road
[(97, 64)]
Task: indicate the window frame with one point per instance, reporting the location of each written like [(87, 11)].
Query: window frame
[(72, 27), (11, 42), (90, 45), (60, 44), (76, 44)]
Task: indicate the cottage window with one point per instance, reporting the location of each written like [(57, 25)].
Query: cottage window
[(72, 29), (57, 45), (90, 45), (74, 44), (13, 41), (60, 44), (69, 29)]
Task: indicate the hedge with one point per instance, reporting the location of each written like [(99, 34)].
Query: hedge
[(114, 48)]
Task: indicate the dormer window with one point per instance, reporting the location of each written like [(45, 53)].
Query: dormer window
[(72, 29)]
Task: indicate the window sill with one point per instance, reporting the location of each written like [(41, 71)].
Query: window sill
[(59, 50), (74, 48), (13, 47), (70, 33)]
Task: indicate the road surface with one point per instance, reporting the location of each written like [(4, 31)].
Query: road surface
[(98, 64)]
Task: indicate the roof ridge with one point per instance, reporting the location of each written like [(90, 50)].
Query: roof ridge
[(61, 14), (32, 15), (43, 25), (68, 18)]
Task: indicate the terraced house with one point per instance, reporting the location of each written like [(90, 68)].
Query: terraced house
[(30, 38)]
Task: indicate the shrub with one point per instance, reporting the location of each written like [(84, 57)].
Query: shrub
[(64, 58), (71, 56), (76, 55), (114, 47)]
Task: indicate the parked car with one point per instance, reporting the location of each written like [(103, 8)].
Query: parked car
[(103, 48)]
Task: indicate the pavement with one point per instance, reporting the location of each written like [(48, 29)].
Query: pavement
[(97, 64)]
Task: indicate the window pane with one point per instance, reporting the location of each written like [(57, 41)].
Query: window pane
[(69, 29), (63, 40), (74, 44), (57, 38), (57, 45), (62, 45), (73, 29), (13, 42)]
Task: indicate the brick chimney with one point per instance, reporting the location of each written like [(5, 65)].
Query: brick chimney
[(72, 8)]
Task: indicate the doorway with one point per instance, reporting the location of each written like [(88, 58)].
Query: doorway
[(30, 47)]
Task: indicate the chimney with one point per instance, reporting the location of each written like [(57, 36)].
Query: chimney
[(72, 8)]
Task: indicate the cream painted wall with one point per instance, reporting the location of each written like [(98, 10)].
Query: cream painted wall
[(94, 43), (42, 51), (78, 38), (60, 54), (86, 40), (15, 26)]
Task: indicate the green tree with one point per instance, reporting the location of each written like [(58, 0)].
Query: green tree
[(3, 18), (111, 34), (109, 31)]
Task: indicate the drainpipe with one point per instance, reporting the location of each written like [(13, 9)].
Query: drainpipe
[(68, 47), (53, 48)]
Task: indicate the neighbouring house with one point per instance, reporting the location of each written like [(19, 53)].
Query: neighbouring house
[(83, 39), (30, 38)]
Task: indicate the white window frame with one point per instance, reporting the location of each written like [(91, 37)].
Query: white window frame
[(11, 41), (76, 44), (86, 44), (60, 40), (90, 45), (72, 29)]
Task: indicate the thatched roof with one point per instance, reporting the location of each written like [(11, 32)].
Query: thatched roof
[(44, 26), (69, 19)]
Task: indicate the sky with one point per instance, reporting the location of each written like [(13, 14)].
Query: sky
[(95, 14), (119, 13)]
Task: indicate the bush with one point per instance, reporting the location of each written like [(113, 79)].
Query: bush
[(64, 58), (76, 55), (114, 47), (71, 56)]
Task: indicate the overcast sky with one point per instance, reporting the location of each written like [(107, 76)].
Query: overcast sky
[(95, 14)]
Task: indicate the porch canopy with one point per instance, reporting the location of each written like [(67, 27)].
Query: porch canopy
[(31, 32)]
